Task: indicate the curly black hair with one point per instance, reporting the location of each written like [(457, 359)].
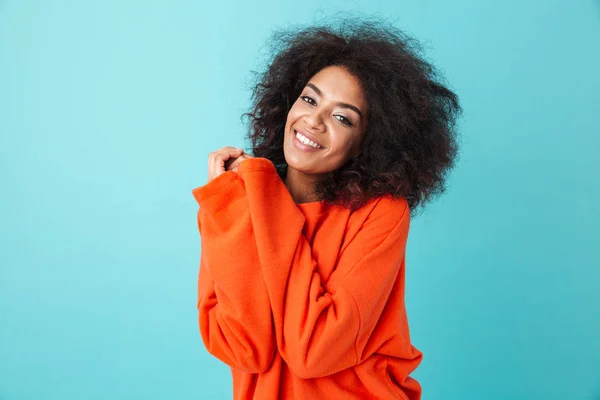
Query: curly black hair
[(410, 143)]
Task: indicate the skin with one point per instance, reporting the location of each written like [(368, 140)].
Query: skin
[(322, 111), (217, 160), (338, 129)]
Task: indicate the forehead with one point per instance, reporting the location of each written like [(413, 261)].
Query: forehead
[(337, 84)]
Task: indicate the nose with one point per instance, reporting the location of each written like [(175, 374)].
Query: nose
[(314, 121)]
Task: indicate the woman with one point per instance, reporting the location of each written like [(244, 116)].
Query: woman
[(301, 284)]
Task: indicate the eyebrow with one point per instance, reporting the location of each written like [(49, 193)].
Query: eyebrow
[(344, 105)]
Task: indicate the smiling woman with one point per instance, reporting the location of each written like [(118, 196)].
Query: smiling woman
[(365, 82), (324, 128), (301, 284)]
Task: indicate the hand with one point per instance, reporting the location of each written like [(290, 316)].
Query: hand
[(232, 165), (217, 159)]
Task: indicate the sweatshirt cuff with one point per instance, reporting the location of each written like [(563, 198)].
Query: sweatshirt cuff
[(220, 191), (256, 164)]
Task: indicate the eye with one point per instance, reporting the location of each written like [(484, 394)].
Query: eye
[(308, 100), (344, 120), (341, 118)]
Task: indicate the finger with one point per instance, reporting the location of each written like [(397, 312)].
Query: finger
[(230, 150), (225, 158), (218, 158), (236, 164), (226, 153), (226, 150), (231, 164), (230, 156)]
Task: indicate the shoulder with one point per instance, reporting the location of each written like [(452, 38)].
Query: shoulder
[(383, 214), (387, 207)]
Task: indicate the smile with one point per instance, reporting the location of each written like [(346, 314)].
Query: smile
[(306, 141)]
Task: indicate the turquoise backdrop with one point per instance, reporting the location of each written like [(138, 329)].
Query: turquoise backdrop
[(108, 110)]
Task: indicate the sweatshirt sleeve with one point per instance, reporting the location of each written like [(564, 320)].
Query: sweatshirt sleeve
[(321, 330), (234, 310)]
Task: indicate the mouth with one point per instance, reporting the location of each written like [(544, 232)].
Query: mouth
[(307, 139)]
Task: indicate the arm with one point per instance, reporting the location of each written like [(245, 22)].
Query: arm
[(321, 330), (234, 310)]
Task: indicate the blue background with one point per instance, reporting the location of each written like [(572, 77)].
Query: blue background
[(108, 110)]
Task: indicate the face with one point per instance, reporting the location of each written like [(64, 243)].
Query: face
[(331, 112)]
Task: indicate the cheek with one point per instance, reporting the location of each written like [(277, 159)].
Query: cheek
[(343, 143), (293, 114)]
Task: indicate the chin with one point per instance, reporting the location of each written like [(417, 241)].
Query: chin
[(307, 168), (297, 165)]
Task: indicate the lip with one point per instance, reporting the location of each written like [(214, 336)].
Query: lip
[(308, 135)]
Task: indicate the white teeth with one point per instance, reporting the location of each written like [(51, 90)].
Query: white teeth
[(306, 140)]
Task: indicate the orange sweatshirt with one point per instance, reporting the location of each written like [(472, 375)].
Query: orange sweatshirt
[(303, 301)]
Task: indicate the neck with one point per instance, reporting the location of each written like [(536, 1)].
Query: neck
[(301, 186)]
